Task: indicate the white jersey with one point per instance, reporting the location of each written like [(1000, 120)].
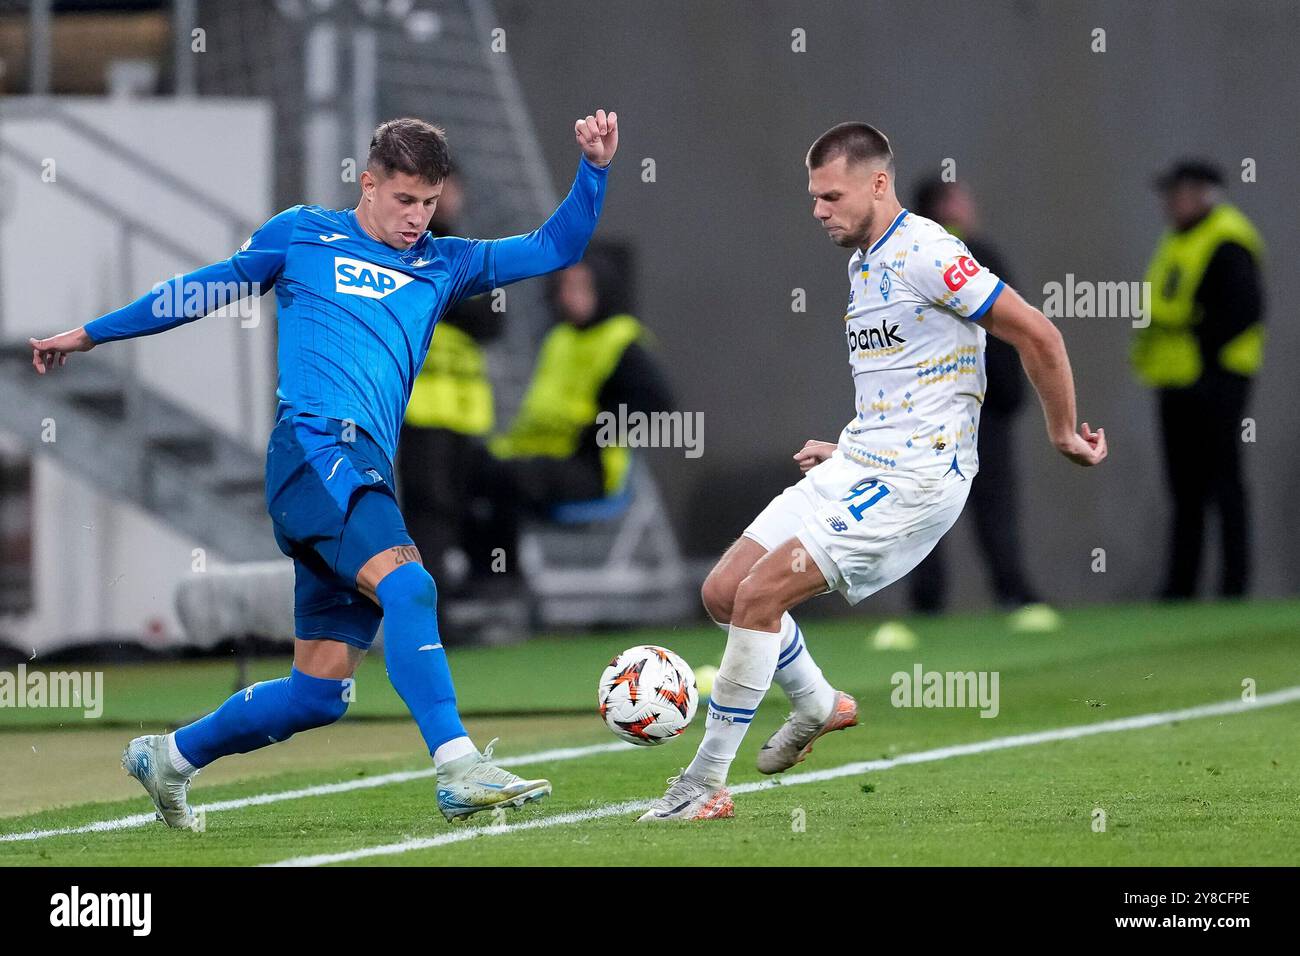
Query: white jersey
[(917, 355)]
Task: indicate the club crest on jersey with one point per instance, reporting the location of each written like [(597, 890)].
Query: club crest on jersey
[(884, 286), (355, 277)]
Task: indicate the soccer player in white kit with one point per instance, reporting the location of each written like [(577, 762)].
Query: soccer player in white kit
[(873, 504)]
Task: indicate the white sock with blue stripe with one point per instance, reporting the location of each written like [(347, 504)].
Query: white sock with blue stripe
[(799, 676), (743, 678)]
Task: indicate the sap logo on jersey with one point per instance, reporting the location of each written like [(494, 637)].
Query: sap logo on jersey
[(355, 277)]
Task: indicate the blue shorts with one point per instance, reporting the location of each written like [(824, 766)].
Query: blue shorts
[(333, 508)]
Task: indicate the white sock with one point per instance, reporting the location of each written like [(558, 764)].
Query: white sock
[(799, 676), (743, 679), (178, 761), (455, 748)]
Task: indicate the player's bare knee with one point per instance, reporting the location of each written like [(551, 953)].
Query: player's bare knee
[(407, 584), (718, 595), (755, 603), (320, 712)]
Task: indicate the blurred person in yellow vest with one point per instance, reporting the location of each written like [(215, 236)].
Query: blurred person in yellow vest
[(1200, 352), (597, 358), (450, 415)]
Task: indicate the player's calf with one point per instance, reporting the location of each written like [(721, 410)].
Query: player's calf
[(415, 658), (263, 714)]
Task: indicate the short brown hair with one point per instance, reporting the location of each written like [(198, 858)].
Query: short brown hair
[(410, 146), (857, 142)]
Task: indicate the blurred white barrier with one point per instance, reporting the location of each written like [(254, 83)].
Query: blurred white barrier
[(237, 601), (104, 569)]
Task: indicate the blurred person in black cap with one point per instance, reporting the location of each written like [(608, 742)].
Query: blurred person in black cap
[(994, 496), (1202, 347)]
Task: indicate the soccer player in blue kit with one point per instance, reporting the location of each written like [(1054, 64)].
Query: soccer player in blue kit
[(358, 293)]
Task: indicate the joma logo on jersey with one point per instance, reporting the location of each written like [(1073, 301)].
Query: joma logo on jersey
[(883, 337), (355, 277)]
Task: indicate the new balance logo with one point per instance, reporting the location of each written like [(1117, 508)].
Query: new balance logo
[(355, 277), (420, 263), (837, 524), (333, 238)]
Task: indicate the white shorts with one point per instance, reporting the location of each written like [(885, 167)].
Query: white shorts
[(864, 529)]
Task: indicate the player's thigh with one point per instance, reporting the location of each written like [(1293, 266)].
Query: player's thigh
[(333, 622), (881, 531), (375, 542), (777, 523), (382, 564), (331, 500), (781, 579), (719, 590)]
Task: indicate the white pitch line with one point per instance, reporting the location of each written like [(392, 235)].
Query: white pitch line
[(1139, 722), (320, 790)]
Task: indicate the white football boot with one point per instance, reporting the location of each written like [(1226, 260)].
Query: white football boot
[(690, 799), (471, 784), (146, 759), (794, 740)]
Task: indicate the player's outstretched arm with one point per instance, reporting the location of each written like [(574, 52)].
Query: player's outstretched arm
[(164, 307), (1042, 351), (250, 271), (560, 241)]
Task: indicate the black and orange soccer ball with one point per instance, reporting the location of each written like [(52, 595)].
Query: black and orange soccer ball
[(647, 695)]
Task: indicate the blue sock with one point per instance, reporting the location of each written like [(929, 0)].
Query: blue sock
[(265, 713), (413, 654)]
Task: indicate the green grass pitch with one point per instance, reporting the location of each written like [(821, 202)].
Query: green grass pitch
[(1211, 790)]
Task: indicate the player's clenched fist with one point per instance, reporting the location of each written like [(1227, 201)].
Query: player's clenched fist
[(1085, 447), (598, 136)]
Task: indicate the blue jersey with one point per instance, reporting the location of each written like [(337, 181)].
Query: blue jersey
[(356, 315)]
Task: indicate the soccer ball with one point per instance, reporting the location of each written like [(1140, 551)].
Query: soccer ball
[(647, 695)]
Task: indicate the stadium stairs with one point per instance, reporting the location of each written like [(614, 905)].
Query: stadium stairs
[(142, 448)]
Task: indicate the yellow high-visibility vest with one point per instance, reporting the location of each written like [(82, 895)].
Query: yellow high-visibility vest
[(452, 390), (1166, 353), (562, 398)]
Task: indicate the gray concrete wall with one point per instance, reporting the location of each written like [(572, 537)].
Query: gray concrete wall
[(1060, 144)]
